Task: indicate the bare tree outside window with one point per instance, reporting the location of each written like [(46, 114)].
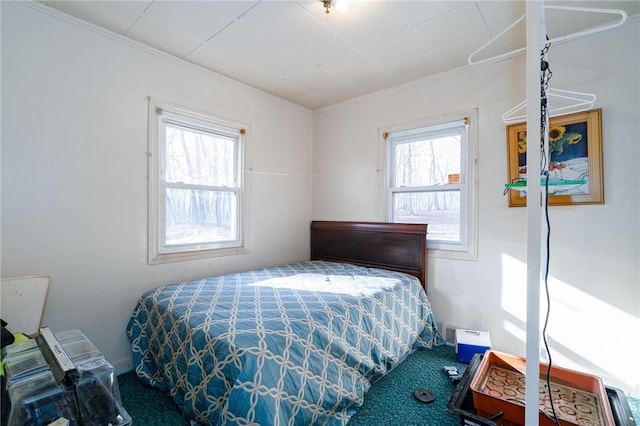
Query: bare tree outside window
[(195, 185), (425, 165), (430, 179), (198, 215)]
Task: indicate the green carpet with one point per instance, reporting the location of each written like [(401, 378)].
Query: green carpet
[(389, 401)]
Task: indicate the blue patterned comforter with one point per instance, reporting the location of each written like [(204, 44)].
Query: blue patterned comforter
[(292, 345)]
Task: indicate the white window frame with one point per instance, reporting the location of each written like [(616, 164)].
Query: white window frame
[(466, 248), (160, 114)]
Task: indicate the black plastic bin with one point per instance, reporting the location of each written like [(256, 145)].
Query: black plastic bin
[(461, 402)]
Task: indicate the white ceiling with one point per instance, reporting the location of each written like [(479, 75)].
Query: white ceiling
[(296, 51)]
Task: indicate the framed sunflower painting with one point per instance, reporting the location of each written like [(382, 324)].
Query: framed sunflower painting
[(575, 163)]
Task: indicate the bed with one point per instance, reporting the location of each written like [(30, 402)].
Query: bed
[(297, 344)]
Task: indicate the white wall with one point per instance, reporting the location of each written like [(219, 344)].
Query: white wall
[(595, 249), (74, 167)]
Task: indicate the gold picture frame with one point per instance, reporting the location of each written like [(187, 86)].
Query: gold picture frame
[(575, 151)]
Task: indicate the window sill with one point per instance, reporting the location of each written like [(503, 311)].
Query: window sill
[(155, 258), (453, 254)]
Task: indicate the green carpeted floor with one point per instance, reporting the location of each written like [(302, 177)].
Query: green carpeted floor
[(389, 401)]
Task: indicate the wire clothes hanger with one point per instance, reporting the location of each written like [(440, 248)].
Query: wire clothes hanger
[(573, 102), (622, 14), (560, 101)]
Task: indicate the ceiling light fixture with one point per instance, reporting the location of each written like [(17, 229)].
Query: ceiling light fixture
[(341, 5), (327, 5)]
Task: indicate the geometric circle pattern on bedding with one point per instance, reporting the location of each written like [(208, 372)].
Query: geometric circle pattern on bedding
[(293, 345)]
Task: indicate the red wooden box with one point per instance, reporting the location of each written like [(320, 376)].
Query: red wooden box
[(498, 386)]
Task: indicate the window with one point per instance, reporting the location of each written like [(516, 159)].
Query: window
[(430, 179), (195, 188)]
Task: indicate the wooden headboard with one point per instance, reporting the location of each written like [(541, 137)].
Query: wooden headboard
[(396, 246)]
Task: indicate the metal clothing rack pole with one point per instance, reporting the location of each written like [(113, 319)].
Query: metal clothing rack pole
[(535, 35)]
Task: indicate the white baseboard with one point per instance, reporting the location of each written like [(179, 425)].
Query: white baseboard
[(123, 365)]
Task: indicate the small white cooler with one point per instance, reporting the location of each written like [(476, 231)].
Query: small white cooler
[(471, 342)]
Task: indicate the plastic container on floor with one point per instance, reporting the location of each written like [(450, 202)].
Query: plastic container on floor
[(461, 402), (85, 393), (499, 386)]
